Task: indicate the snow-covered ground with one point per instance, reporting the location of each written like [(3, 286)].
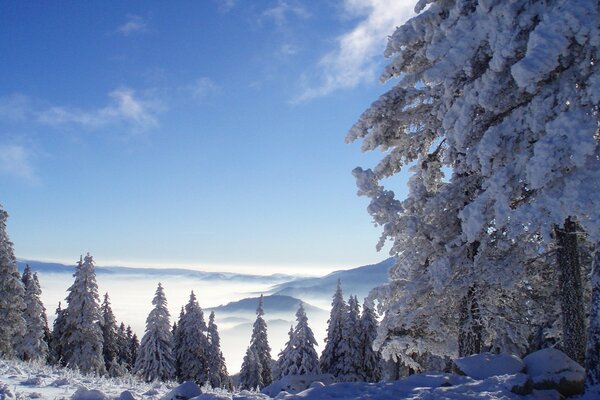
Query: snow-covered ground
[(20, 380)]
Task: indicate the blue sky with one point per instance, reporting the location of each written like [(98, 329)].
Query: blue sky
[(198, 133)]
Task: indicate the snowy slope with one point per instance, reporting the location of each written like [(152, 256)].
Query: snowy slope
[(20, 380)]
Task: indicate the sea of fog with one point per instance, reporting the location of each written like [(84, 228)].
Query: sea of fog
[(131, 296)]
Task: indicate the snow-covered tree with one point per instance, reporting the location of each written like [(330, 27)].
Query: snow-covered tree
[(371, 360), (177, 332), (12, 292), (123, 346), (301, 359), (110, 347), (350, 347), (259, 344), (251, 371), (134, 345), (217, 370), (193, 349), (47, 332), (32, 345), (57, 345), (82, 335), (285, 356), (331, 358), (155, 355), (513, 112)]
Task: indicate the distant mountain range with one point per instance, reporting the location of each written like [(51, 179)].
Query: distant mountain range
[(357, 281), (48, 267), (272, 304)]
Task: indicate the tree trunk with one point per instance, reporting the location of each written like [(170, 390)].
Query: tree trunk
[(570, 291), (592, 361), (470, 329)]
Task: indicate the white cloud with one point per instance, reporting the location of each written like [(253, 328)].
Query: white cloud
[(203, 87), (134, 24), (15, 161), (282, 10), (354, 60), (124, 107)]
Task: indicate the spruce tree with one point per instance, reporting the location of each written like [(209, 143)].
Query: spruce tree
[(251, 372), (350, 345), (122, 346), (12, 293), (32, 345), (331, 361), (155, 355), (302, 358), (259, 344), (133, 347), (512, 113), (193, 349), (177, 332), (109, 333), (285, 356), (57, 345), (47, 332), (217, 370), (371, 359), (82, 336)]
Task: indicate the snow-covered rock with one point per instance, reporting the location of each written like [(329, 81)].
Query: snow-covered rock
[(33, 381), (519, 383), (126, 395), (553, 369), (187, 390), (296, 383), (85, 394), (485, 365)]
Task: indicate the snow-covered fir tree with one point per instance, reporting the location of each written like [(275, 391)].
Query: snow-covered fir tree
[(134, 345), (331, 358), (350, 347), (47, 332), (12, 292), (193, 348), (110, 345), (123, 347), (82, 335), (57, 345), (217, 370), (370, 358), (251, 371), (154, 360), (177, 332), (259, 344), (285, 355), (32, 345), (302, 359), (512, 113)]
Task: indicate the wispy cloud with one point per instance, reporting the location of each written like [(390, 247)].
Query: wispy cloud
[(15, 161), (203, 87), (134, 24), (354, 60), (283, 10), (125, 106), (225, 6)]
